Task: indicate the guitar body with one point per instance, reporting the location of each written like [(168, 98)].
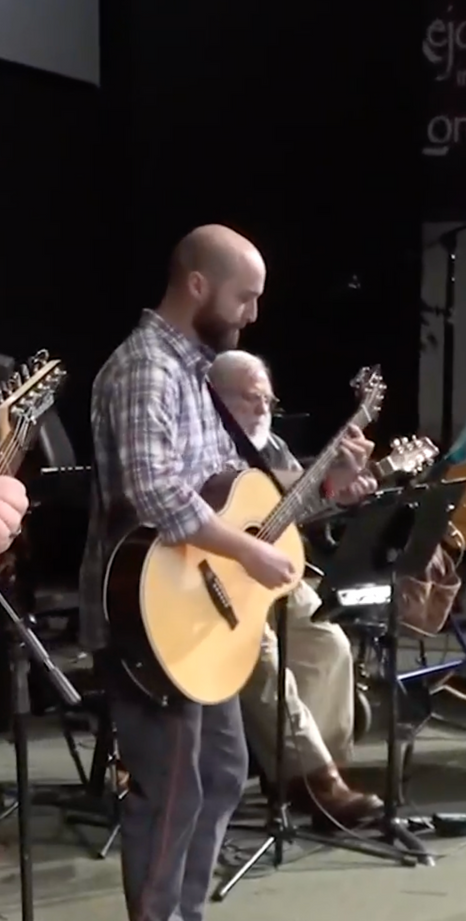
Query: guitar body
[(174, 635)]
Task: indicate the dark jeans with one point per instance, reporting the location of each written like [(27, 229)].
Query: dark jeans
[(188, 766)]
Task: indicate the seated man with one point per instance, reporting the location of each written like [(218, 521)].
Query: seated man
[(320, 692), (13, 507)]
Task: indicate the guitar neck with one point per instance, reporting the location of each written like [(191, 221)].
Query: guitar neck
[(291, 505), (13, 451), (317, 506), (30, 393)]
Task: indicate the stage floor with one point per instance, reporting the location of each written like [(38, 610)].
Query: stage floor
[(313, 882)]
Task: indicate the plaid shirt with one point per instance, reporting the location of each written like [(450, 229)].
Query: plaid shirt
[(157, 440)]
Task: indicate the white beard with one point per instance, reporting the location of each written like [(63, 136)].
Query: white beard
[(261, 433)]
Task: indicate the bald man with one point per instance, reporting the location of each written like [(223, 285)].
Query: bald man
[(319, 685), (157, 440)]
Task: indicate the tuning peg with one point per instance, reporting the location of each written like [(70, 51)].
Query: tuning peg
[(42, 357), (16, 380), (38, 360), (25, 372), (358, 378)]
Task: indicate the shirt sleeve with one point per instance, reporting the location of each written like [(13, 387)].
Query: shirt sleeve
[(144, 420)]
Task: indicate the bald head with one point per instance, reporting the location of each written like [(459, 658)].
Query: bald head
[(215, 251), (229, 369), (216, 280)]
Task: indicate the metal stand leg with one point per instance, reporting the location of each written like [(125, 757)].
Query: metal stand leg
[(26, 646), (104, 852), (21, 708), (105, 758), (9, 811), (392, 828)]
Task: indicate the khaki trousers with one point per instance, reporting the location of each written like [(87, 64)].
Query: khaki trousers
[(319, 692)]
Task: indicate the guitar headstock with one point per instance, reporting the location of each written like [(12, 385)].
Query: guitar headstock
[(28, 394), (370, 389), (410, 455)]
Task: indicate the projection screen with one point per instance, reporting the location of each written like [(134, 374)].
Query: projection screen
[(60, 36)]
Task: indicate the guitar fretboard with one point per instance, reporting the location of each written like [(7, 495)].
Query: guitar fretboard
[(306, 490)]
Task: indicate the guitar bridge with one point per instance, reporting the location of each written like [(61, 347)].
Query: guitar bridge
[(217, 594)]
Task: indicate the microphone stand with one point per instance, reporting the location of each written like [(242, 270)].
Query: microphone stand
[(25, 646)]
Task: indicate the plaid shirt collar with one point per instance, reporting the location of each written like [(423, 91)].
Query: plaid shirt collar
[(194, 357)]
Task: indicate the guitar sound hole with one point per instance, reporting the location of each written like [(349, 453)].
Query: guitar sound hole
[(253, 531)]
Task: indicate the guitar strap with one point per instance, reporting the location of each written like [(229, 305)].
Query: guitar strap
[(244, 445)]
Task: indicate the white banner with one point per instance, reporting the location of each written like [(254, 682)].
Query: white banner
[(61, 36), (444, 49), (434, 284)]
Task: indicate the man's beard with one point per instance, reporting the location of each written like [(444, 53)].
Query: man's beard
[(261, 433), (214, 331)]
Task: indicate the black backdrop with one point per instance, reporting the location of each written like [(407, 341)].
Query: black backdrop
[(299, 128)]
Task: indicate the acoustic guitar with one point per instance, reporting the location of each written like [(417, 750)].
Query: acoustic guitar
[(190, 623), (408, 456)]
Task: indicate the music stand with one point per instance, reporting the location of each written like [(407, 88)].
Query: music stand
[(25, 646), (386, 536), (393, 535)]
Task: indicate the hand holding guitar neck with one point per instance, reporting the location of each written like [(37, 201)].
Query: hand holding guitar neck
[(408, 457), (350, 479)]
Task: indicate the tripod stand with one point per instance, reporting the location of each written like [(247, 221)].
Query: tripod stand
[(25, 646), (281, 828)]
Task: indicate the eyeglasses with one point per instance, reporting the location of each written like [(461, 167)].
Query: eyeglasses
[(254, 398)]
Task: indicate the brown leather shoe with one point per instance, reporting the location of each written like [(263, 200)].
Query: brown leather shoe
[(330, 790)]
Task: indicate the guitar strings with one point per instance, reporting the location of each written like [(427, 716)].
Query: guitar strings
[(291, 502), (280, 517), (13, 444)]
